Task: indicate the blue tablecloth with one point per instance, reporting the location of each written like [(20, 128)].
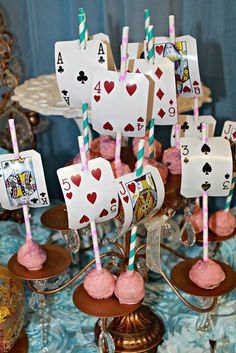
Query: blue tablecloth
[(71, 331)]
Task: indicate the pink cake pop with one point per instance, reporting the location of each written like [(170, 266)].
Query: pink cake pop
[(120, 169), (172, 159), (196, 219), (206, 274), (162, 169), (157, 147), (104, 146), (222, 223), (77, 158), (99, 284), (31, 255), (129, 287)]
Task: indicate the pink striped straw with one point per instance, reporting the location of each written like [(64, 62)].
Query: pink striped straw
[(124, 53), (177, 136), (204, 133), (27, 222), (195, 107), (118, 149), (205, 225), (95, 245), (83, 154), (172, 28)]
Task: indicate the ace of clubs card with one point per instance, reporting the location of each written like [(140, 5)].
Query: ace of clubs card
[(121, 106), (190, 126), (229, 130), (164, 102), (184, 56), (75, 66), (89, 195), (22, 181), (140, 197), (205, 166)]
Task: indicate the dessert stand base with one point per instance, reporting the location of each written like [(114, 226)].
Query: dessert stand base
[(21, 345), (137, 332)]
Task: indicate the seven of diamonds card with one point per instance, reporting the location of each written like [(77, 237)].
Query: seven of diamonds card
[(205, 166), (89, 195), (22, 181), (121, 106), (164, 102), (190, 126), (184, 56), (74, 68)]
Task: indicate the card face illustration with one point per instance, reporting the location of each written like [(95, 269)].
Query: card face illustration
[(205, 166), (183, 54), (121, 106), (22, 181), (75, 66), (164, 100), (229, 130), (190, 126), (140, 196), (89, 195)]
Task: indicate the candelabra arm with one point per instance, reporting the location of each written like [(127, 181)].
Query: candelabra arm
[(191, 306), (120, 247), (176, 253), (77, 275)]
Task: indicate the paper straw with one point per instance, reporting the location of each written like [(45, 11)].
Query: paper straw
[(177, 136), (82, 30), (124, 52), (118, 148), (83, 154), (147, 22), (12, 127), (204, 133), (172, 28), (27, 222), (231, 192), (150, 44), (95, 245), (195, 107), (139, 164), (205, 225), (151, 139), (85, 126), (82, 12)]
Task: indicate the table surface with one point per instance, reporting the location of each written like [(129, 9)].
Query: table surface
[(71, 331)]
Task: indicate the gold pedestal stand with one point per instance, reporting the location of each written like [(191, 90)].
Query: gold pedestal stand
[(21, 345)]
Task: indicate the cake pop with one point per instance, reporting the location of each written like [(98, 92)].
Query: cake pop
[(99, 283), (172, 159), (196, 219), (120, 169), (222, 223), (129, 287), (206, 274), (31, 255), (104, 146), (162, 169), (156, 146)]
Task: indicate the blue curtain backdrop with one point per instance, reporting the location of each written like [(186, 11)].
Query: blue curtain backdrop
[(38, 24)]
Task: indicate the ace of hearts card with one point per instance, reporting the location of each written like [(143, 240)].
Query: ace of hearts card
[(22, 181), (75, 66), (206, 166), (89, 195), (121, 106), (184, 56), (164, 100)]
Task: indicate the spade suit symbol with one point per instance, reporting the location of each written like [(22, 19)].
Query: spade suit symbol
[(205, 149), (206, 168), (206, 186)]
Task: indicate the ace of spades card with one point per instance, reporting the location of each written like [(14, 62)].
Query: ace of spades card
[(89, 195), (205, 166), (22, 181), (140, 197), (190, 126), (229, 130), (74, 68), (164, 101), (184, 56), (121, 106)]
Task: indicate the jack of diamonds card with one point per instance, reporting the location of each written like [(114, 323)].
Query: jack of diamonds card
[(22, 181), (184, 56), (205, 166), (164, 102), (89, 195), (121, 106), (74, 68)]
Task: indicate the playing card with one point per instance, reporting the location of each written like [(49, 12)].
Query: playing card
[(229, 130), (22, 181), (136, 51), (205, 166), (164, 101), (184, 56), (140, 196), (190, 126), (74, 68), (89, 195), (121, 106)]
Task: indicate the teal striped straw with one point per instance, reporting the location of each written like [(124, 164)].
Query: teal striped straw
[(85, 126), (82, 12), (151, 139), (138, 172), (231, 192), (150, 44), (82, 30), (147, 21)]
